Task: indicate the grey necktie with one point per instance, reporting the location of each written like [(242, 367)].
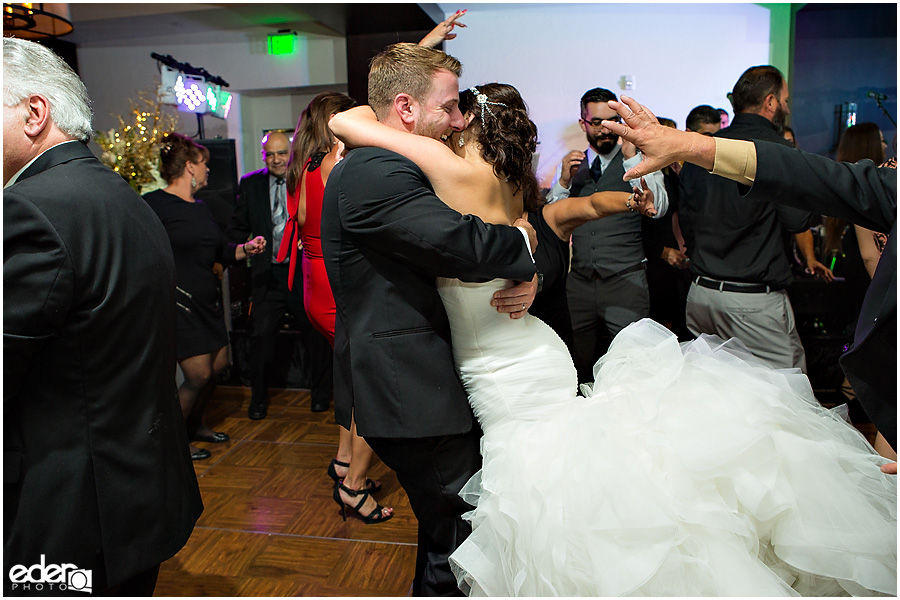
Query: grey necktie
[(279, 215)]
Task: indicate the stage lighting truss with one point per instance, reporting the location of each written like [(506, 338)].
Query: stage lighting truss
[(193, 93)]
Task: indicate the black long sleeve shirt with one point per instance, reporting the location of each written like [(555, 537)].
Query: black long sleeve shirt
[(734, 238)]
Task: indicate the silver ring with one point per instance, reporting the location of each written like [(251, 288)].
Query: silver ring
[(523, 306)]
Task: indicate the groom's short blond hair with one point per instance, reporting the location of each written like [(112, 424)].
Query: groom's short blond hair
[(405, 68)]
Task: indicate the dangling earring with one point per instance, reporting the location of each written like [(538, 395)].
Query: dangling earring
[(462, 140), (193, 182)]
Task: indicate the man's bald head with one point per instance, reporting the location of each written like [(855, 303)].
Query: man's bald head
[(276, 150)]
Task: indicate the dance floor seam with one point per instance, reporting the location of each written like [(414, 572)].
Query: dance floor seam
[(293, 535)]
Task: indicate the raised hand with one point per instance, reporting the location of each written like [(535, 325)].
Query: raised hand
[(643, 200), (629, 150), (570, 164), (659, 145), (442, 30)]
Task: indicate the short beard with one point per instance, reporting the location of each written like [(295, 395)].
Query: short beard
[(779, 118), (429, 130), (603, 145)]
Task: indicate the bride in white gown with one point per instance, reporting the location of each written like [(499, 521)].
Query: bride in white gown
[(688, 470)]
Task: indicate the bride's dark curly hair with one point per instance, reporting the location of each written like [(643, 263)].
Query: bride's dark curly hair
[(508, 138)]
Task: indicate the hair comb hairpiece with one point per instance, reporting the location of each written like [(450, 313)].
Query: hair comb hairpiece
[(482, 99)]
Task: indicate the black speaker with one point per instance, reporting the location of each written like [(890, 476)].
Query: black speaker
[(221, 189)]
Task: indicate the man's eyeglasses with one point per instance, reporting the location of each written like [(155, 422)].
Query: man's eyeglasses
[(276, 153), (598, 123)]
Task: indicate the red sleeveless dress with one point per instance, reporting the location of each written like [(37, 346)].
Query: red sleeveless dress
[(317, 297)]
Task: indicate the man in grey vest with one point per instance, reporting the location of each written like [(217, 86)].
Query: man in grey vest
[(607, 285)]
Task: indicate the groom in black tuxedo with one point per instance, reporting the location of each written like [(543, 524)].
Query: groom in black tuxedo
[(386, 237)]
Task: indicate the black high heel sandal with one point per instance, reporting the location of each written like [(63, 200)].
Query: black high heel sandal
[(373, 487), (376, 516)]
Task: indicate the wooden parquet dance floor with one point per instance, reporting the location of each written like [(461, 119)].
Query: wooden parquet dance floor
[(269, 525)]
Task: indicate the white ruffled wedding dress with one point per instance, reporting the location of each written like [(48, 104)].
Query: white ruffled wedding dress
[(691, 470)]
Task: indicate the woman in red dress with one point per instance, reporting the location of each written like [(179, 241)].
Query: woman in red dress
[(313, 154)]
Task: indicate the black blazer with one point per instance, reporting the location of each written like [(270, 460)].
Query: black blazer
[(865, 195), (252, 216), (386, 237), (96, 468)]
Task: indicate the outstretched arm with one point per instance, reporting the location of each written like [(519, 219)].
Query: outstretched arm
[(659, 145), (360, 127), (566, 214)]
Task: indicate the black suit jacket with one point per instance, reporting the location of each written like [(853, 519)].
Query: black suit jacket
[(95, 459), (252, 216), (386, 237), (865, 195)]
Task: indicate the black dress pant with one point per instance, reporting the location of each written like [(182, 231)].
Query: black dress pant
[(266, 315), (432, 471), (600, 309)]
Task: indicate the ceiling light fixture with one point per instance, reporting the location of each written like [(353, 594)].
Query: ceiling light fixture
[(35, 20)]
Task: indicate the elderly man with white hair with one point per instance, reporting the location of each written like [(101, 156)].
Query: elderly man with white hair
[(98, 485)]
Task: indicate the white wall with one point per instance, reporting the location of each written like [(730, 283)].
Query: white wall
[(681, 56), (261, 113)]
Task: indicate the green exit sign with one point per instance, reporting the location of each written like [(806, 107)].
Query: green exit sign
[(281, 43)]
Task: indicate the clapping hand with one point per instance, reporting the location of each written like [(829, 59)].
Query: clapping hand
[(443, 30), (643, 200)]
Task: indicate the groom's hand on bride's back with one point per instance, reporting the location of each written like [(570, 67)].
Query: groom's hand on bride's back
[(516, 300)]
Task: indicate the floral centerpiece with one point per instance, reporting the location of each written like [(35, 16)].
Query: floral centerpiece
[(132, 149)]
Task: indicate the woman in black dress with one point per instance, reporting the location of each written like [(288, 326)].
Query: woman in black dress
[(197, 244)]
